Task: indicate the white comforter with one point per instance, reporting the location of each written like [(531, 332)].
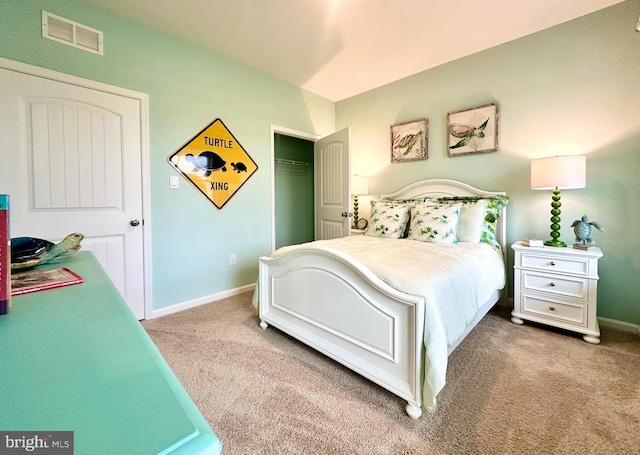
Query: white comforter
[(455, 280)]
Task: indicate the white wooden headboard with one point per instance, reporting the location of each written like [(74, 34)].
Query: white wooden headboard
[(444, 187)]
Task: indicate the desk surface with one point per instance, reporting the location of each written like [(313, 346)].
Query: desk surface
[(76, 359)]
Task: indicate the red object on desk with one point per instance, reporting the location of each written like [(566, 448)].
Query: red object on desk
[(5, 255)]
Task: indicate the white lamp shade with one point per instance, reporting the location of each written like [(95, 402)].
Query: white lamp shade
[(359, 184), (563, 172)]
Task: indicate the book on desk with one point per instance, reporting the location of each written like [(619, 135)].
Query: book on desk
[(41, 280)]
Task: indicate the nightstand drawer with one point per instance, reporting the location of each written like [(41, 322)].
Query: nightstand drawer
[(576, 266), (567, 312), (555, 284)]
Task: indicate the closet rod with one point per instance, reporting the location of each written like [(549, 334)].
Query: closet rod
[(292, 162)]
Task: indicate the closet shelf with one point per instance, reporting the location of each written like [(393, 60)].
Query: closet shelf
[(291, 162)]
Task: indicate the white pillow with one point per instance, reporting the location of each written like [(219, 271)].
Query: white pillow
[(388, 219), (495, 205), (471, 221), (433, 222)]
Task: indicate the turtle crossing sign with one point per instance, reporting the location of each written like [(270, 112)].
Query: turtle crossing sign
[(215, 163)]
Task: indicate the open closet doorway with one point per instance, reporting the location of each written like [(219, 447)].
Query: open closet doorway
[(310, 192), (293, 175)]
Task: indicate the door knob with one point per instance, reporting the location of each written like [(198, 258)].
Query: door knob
[(134, 223)]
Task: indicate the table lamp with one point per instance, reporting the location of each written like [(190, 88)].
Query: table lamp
[(558, 172), (359, 186)]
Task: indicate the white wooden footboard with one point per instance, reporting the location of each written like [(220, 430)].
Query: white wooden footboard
[(334, 304)]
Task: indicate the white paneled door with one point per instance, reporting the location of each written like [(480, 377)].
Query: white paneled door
[(332, 164), (71, 161)]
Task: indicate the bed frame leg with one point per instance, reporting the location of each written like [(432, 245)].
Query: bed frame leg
[(414, 411), (264, 325)]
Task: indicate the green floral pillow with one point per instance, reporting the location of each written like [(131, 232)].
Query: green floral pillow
[(434, 222), (495, 204), (388, 219)]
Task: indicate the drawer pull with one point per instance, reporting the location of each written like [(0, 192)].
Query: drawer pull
[(552, 284), (552, 264), (551, 308)]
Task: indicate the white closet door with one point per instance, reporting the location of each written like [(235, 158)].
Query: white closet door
[(332, 163)]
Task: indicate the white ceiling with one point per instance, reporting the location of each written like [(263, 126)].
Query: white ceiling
[(341, 48)]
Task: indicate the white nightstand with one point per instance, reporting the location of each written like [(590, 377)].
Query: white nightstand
[(557, 287)]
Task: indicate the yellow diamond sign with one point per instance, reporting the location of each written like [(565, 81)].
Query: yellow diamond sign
[(215, 163)]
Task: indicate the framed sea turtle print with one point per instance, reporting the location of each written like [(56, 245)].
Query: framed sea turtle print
[(473, 130), (409, 141)]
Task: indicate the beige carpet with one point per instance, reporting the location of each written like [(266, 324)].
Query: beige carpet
[(510, 390)]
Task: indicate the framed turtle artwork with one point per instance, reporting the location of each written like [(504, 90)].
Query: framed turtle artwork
[(473, 130), (409, 141)]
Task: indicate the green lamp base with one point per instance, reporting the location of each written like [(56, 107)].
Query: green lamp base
[(355, 211), (555, 221), (557, 243)]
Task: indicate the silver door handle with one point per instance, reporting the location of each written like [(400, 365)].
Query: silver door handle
[(346, 214), (134, 223)]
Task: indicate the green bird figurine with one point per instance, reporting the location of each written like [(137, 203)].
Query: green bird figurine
[(582, 229)]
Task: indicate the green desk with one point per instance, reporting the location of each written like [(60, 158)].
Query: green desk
[(76, 359)]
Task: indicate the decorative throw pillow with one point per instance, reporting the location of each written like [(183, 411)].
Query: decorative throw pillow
[(495, 204), (388, 219), (434, 222), (471, 221)]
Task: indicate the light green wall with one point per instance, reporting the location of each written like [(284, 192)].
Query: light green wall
[(188, 87), (572, 89)]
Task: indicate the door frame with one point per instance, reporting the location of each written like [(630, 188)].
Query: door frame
[(143, 99), (275, 129)]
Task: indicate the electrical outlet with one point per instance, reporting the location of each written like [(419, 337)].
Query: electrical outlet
[(232, 259)]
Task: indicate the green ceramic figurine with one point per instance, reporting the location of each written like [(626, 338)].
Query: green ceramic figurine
[(27, 252)]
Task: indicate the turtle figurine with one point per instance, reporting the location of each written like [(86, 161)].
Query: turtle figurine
[(582, 229), (239, 167), (207, 161), (27, 252)]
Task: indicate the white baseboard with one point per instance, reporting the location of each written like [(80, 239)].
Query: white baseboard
[(604, 322), (200, 301), (619, 325)]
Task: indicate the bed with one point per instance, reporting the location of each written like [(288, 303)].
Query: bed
[(392, 307)]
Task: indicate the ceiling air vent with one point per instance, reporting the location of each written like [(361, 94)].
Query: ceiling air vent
[(68, 32)]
